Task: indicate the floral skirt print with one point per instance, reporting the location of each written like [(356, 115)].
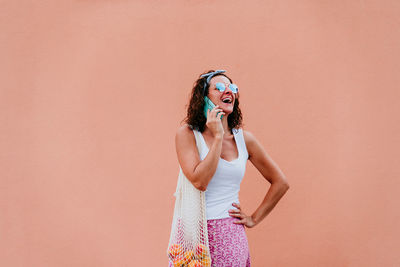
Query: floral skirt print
[(228, 243)]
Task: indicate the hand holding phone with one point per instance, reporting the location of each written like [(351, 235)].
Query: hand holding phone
[(214, 124), (209, 105)]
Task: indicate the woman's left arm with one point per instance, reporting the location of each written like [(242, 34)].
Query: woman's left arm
[(271, 172)]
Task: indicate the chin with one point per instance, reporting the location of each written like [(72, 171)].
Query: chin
[(227, 112)]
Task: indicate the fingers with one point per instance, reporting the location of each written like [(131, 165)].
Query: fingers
[(217, 114), (237, 215), (216, 111), (239, 221), (237, 212), (236, 205), (234, 210)]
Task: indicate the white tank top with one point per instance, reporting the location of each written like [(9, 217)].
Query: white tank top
[(223, 189)]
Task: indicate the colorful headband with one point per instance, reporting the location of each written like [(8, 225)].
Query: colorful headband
[(210, 75)]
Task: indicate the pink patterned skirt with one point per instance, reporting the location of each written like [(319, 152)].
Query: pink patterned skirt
[(228, 243)]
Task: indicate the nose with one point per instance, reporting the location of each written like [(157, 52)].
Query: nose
[(228, 90)]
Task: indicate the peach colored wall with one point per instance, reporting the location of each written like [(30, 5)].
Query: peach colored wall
[(93, 91)]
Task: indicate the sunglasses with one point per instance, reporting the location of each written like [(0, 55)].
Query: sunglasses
[(221, 87)]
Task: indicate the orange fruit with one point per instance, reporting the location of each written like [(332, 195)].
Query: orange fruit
[(195, 263), (189, 256), (178, 261), (206, 261), (175, 250), (201, 251)]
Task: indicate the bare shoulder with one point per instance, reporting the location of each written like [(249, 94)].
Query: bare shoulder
[(250, 141), (185, 142), (188, 156), (248, 137), (184, 133)]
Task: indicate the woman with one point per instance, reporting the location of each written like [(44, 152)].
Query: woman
[(219, 168)]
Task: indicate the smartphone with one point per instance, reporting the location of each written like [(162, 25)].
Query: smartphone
[(208, 105)]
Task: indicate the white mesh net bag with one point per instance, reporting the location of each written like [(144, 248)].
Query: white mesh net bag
[(188, 242)]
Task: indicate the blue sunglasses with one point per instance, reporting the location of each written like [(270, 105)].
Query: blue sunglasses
[(221, 87)]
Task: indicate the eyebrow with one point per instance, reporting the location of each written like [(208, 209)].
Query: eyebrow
[(223, 83)]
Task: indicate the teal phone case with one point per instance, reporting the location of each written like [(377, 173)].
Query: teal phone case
[(208, 105)]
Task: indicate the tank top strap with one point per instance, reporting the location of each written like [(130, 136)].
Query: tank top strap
[(199, 143), (241, 142), (196, 136)]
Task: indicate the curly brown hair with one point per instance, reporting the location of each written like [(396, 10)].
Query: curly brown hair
[(195, 109)]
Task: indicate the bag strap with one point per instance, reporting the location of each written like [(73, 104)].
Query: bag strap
[(199, 146)]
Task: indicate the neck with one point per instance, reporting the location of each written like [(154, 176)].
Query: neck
[(225, 125)]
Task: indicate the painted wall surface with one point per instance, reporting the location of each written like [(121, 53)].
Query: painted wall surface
[(92, 93)]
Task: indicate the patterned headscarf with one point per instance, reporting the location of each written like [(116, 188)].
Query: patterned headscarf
[(209, 76)]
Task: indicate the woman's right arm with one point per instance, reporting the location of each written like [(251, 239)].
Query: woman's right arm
[(199, 172)]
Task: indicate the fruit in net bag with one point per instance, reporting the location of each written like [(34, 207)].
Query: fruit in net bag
[(206, 262), (189, 256), (195, 263), (179, 262), (201, 251), (188, 243), (175, 250)]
